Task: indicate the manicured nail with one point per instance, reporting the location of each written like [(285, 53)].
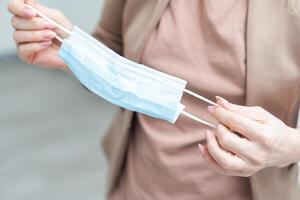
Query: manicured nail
[(46, 44), (200, 147), (221, 100), (48, 25), (211, 109), (49, 35), (29, 13)]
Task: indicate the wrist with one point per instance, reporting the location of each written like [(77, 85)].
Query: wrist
[(293, 138)]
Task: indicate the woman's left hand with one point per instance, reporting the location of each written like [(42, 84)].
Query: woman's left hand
[(247, 139)]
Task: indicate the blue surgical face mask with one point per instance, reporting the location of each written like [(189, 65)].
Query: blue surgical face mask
[(122, 82)]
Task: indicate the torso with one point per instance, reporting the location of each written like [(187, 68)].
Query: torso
[(202, 42)]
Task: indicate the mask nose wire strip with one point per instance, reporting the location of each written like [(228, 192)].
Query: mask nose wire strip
[(50, 21), (200, 97), (197, 119)]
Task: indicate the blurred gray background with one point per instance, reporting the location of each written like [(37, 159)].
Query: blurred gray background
[(50, 127)]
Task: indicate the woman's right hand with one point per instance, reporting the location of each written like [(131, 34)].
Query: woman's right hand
[(34, 36)]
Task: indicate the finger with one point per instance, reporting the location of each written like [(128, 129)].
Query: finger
[(36, 23), (239, 123), (27, 51), (16, 7), (210, 161), (223, 158), (33, 36), (216, 167), (57, 16), (255, 113), (231, 142)]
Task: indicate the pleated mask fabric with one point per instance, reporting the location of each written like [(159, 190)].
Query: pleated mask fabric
[(120, 81)]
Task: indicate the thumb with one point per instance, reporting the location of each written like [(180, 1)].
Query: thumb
[(56, 16), (16, 7), (49, 12)]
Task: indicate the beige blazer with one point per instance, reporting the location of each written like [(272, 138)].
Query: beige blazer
[(273, 76)]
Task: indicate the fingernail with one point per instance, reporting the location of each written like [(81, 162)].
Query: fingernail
[(49, 35), (48, 25), (200, 147), (29, 13), (46, 44), (211, 109), (221, 100)]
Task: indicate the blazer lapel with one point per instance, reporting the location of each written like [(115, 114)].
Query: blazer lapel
[(273, 66), (273, 75), (146, 19), (160, 7)]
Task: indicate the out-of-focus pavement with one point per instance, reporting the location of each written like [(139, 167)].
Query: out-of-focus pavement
[(50, 129)]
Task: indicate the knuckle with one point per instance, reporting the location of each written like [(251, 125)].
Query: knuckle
[(234, 121), (16, 36), (259, 159), (269, 141), (20, 54), (22, 58), (36, 35), (219, 128), (225, 163), (60, 14), (259, 109), (20, 51), (37, 22), (10, 6), (224, 140), (14, 21), (217, 112)]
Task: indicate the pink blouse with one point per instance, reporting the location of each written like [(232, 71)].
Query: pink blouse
[(203, 42)]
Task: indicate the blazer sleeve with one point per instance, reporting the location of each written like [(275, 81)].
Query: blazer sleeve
[(109, 28)]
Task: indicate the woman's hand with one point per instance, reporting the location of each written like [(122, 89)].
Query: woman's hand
[(34, 36), (248, 139)]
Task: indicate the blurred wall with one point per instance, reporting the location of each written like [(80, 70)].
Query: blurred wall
[(49, 147), (85, 14)]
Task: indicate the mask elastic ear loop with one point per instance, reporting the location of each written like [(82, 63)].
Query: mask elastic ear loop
[(200, 97), (193, 117), (50, 21)]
